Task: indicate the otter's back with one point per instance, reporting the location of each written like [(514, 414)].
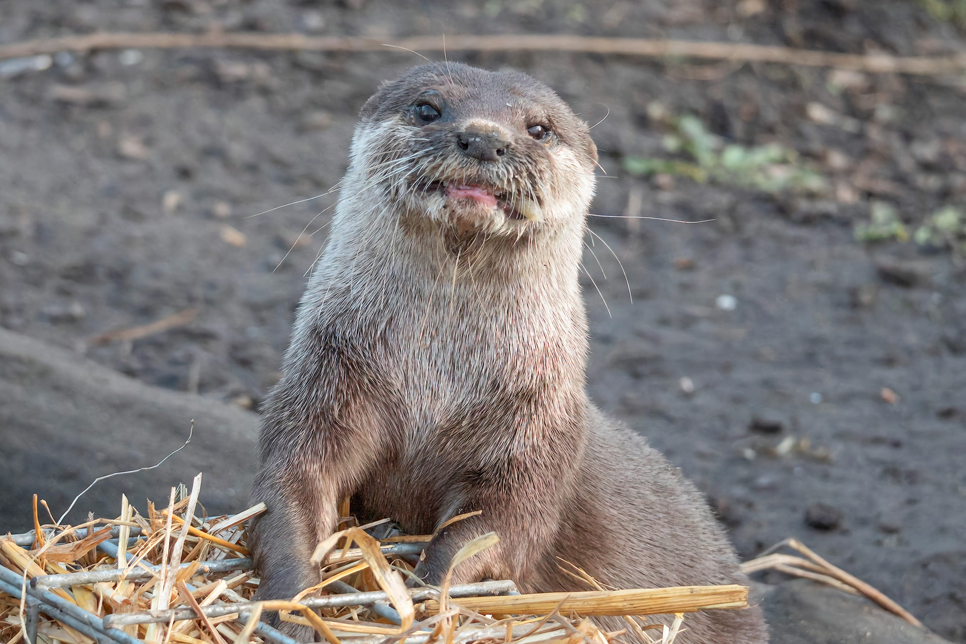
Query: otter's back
[(637, 523)]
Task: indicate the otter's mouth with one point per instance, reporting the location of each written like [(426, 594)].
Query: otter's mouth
[(513, 206)]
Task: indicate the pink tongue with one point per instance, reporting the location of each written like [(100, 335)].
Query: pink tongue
[(471, 192)]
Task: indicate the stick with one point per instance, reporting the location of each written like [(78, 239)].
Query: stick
[(96, 576), (333, 601), (864, 588), (62, 605), (789, 565), (636, 47), (35, 604), (204, 535), (594, 603), (27, 538), (136, 333)]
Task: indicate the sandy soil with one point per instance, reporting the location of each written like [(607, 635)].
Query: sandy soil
[(128, 181)]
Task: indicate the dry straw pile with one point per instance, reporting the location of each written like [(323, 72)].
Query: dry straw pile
[(176, 575)]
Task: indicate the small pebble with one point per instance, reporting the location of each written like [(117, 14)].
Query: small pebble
[(64, 59), (786, 446), (170, 201), (14, 67), (947, 413), (726, 302), (73, 312), (822, 516), (221, 210), (314, 21), (686, 384), (110, 94), (131, 57), (232, 236), (889, 396), (766, 425), (131, 147)]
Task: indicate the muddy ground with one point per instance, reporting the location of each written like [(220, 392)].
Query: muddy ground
[(824, 396)]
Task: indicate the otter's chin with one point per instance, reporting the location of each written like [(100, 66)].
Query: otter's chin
[(478, 207), (469, 215)]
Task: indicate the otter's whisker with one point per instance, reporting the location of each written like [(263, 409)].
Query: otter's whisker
[(599, 292), (673, 221), (630, 295), (293, 203)]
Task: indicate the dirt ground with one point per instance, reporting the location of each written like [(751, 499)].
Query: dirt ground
[(810, 380)]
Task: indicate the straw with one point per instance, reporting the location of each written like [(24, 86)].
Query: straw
[(175, 576)]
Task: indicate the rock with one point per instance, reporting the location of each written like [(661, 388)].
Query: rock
[(111, 94), (800, 611), (906, 274), (766, 424), (313, 21), (170, 201), (890, 524), (233, 236), (822, 516), (57, 314), (221, 210), (13, 67), (132, 148), (947, 413), (67, 420)]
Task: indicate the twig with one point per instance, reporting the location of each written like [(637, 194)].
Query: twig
[(204, 618), (169, 579), (864, 588), (640, 601), (242, 550), (768, 560), (11, 579), (191, 432), (27, 538), (146, 572), (235, 519), (332, 601), (35, 604), (136, 333), (636, 47)]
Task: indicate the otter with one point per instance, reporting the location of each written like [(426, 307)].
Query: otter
[(437, 364)]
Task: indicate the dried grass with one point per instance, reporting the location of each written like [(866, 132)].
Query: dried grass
[(173, 575)]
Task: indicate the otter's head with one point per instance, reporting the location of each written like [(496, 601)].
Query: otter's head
[(476, 151)]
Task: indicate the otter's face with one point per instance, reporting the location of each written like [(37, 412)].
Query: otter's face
[(477, 151)]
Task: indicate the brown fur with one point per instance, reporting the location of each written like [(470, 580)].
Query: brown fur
[(438, 363)]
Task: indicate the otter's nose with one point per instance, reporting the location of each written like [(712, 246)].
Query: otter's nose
[(482, 144)]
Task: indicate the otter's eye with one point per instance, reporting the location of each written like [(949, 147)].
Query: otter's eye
[(538, 132), (426, 113)]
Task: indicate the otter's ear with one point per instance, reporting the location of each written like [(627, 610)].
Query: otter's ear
[(370, 107)]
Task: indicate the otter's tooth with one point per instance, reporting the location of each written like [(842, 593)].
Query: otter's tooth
[(529, 209)]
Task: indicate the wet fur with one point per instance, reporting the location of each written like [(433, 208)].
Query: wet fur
[(438, 363)]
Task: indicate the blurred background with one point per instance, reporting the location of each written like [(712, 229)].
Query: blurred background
[(802, 356)]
